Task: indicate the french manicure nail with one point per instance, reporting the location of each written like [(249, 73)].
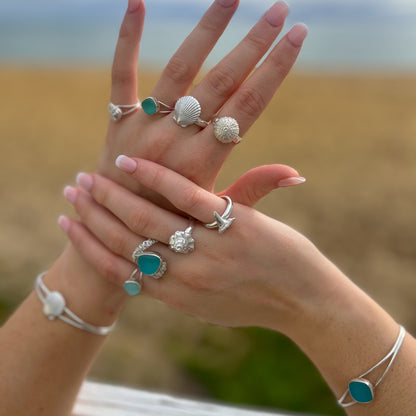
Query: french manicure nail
[(64, 222), (291, 182), (226, 3), (126, 164), (70, 194), (85, 181), (276, 15), (297, 34)]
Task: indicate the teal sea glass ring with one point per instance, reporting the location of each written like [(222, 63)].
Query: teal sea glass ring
[(152, 105), (133, 285), (151, 264)]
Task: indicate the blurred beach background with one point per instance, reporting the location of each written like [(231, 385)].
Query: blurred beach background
[(345, 118)]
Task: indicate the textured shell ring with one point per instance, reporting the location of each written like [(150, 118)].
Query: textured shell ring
[(222, 222), (116, 110), (182, 241), (226, 130), (187, 112)]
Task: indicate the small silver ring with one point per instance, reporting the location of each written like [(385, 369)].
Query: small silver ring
[(226, 130), (152, 105), (116, 112), (133, 285), (187, 112), (182, 241), (150, 263), (222, 222)]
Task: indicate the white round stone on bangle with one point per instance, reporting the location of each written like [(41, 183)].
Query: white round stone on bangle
[(226, 130)]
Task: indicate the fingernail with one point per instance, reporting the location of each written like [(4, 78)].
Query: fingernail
[(64, 222), (70, 194), (226, 3), (126, 164), (297, 34), (291, 182), (276, 15), (85, 181), (133, 5)]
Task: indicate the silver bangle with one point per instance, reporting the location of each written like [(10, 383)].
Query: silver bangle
[(54, 306), (360, 389)]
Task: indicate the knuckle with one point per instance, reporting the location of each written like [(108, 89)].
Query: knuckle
[(256, 42), (281, 66), (120, 76), (118, 243), (140, 221), (196, 282), (191, 199), (178, 70), (250, 102), (221, 82), (108, 269)]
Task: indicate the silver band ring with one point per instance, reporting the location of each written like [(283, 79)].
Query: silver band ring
[(152, 105), (226, 130), (187, 112), (182, 241), (222, 221), (116, 111)]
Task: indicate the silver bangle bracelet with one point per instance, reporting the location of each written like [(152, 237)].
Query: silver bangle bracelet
[(360, 389), (54, 306)]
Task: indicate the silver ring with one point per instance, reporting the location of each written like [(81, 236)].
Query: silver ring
[(150, 263), (222, 221), (182, 241), (187, 112), (133, 286), (152, 105), (226, 130), (116, 111)]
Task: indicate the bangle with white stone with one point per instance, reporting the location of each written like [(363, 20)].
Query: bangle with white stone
[(54, 306)]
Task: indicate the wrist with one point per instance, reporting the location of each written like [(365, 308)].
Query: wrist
[(87, 294)]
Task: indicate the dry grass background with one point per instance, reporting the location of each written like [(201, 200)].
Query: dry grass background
[(352, 137)]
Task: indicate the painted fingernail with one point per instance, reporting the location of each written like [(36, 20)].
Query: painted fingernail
[(85, 181), (133, 5), (291, 182), (70, 194), (297, 34), (126, 164), (64, 222), (276, 15), (226, 3)]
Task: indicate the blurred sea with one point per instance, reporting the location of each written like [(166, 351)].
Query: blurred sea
[(342, 38)]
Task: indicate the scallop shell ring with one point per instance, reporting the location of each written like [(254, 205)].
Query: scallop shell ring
[(187, 112), (226, 130)]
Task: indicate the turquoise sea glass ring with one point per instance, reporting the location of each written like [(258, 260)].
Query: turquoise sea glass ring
[(152, 105), (151, 264), (361, 390), (132, 287)]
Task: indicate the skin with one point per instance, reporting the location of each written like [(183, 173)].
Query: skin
[(281, 282), (37, 363)]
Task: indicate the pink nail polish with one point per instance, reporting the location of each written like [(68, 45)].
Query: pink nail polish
[(226, 3), (64, 223), (133, 5), (126, 164), (85, 181), (291, 182), (70, 194), (297, 34), (276, 15)]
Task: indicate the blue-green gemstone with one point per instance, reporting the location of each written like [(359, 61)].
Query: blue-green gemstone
[(149, 106), (149, 263), (131, 287), (361, 391)]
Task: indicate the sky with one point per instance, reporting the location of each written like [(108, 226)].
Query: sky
[(343, 33)]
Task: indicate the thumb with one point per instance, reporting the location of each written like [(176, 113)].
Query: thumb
[(258, 182)]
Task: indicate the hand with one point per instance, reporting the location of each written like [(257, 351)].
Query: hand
[(227, 89), (258, 272)]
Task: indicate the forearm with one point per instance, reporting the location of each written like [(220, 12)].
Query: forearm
[(45, 362), (345, 333)]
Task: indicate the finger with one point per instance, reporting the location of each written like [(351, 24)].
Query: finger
[(124, 69), (188, 59), (252, 97), (184, 194), (113, 268), (258, 182), (139, 215), (222, 81)]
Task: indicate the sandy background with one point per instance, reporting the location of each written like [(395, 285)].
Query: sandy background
[(353, 138)]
